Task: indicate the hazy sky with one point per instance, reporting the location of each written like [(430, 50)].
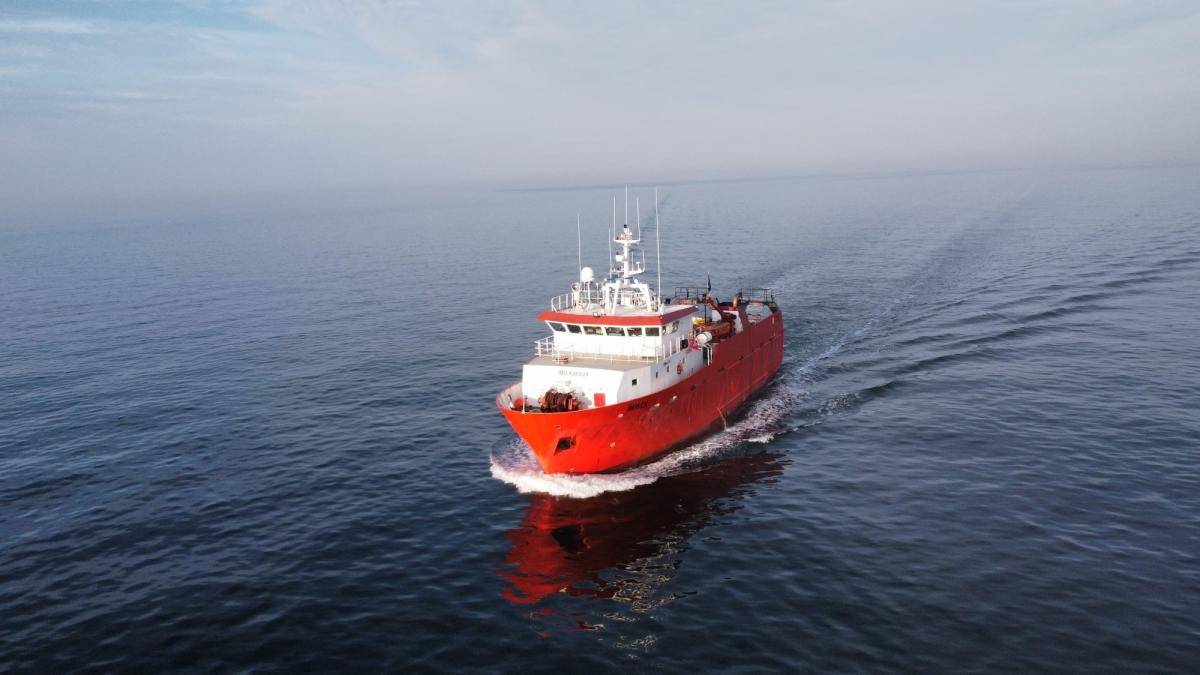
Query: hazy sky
[(109, 98)]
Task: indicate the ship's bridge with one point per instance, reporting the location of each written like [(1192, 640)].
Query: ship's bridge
[(620, 336)]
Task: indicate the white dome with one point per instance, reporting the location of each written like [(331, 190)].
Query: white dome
[(586, 274)]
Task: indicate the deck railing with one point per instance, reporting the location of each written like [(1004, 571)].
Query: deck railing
[(561, 302), (546, 347), (586, 298), (763, 295)]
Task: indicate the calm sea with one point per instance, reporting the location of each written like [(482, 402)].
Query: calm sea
[(267, 441)]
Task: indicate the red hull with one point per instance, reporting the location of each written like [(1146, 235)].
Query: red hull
[(633, 432)]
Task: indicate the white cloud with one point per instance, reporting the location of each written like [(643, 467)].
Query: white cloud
[(423, 91), (53, 26)]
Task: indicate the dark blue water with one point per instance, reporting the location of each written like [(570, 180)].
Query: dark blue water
[(267, 440)]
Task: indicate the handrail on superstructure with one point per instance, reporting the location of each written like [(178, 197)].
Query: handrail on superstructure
[(580, 298), (690, 293), (546, 347), (561, 302), (697, 295), (764, 295), (630, 297)]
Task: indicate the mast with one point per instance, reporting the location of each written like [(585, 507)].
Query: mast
[(638, 212), (579, 244), (638, 202), (657, 249), (623, 278)]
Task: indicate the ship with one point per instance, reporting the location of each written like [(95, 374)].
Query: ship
[(627, 375)]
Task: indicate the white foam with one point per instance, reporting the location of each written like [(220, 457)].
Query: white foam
[(514, 464)]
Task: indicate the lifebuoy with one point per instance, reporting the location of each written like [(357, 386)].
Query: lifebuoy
[(679, 368)]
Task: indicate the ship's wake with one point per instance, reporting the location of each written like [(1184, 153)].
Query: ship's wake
[(513, 462)]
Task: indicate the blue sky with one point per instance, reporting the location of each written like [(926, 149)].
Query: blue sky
[(161, 98)]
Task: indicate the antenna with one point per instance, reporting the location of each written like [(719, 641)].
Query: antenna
[(579, 244), (638, 202), (612, 235), (658, 247), (626, 204)]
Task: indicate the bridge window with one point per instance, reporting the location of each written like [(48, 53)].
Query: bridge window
[(633, 332), (592, 330), (652, 331), (613, 330), (573, 328), (556, 327), (674, 327)]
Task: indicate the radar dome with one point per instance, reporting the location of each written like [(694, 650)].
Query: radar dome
[(586, 274)]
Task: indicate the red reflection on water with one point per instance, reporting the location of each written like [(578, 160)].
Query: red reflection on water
[(563, 545)]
